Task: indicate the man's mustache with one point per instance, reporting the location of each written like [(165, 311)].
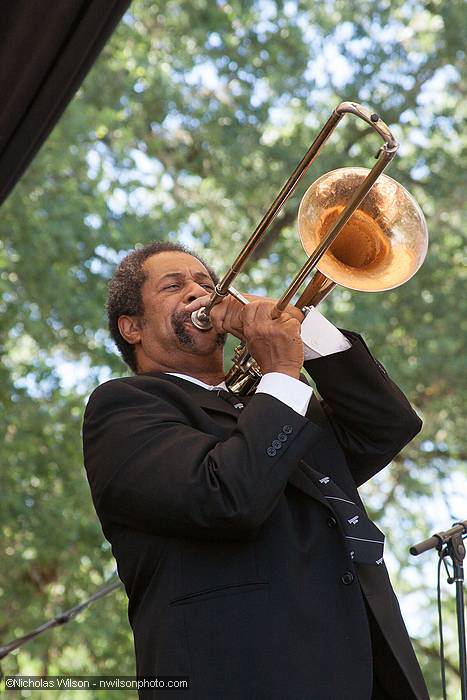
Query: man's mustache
[(181, 316), (178, 320)]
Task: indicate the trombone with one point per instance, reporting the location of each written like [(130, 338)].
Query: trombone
[(361, 229)]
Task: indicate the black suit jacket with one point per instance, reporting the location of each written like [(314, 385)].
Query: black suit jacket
[(235, 571)]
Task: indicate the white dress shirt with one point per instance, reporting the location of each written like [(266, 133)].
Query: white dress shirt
[(319, 338)]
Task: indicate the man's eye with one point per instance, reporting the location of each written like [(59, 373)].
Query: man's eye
[(171, 286), (208, 286)]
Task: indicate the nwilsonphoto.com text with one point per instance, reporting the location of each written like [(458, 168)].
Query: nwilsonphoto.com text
[(94, 682)]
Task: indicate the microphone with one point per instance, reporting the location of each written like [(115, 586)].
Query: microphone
[(439, 539)]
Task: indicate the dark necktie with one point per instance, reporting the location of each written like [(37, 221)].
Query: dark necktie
[(364, 540), (237, 402)]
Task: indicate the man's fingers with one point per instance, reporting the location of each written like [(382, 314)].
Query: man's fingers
[(276, 313), (197, 303), (253, 299), (295, 312), (227, 316), (265, 310)]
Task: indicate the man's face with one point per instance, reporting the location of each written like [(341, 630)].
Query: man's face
[(167, 336)]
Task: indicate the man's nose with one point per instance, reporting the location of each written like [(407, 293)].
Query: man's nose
[(194, 291)]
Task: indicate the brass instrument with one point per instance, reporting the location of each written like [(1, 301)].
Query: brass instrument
[(360, 228)]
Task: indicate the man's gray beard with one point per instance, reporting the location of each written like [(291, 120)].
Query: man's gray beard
[(178, 320)]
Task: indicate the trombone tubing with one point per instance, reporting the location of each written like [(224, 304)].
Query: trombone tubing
[(384, 158), (390, 145)]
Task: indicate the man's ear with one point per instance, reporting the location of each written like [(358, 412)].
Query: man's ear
[(130, 328)]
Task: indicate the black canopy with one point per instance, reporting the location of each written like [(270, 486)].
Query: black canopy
[(46, 49)]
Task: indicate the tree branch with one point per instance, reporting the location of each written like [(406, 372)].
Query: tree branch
[(273, 233), (433, 653)]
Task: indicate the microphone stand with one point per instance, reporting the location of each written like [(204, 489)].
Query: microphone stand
[(60, 619), (450, 544)]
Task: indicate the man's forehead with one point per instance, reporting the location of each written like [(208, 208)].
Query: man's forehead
[(173, 262)]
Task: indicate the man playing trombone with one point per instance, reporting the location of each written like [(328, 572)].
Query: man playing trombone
[(250, 564)]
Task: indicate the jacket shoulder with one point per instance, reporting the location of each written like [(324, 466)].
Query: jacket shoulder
[(137, 390), (150, 383)]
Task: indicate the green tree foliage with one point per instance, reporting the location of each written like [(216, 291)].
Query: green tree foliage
[(186, 128)]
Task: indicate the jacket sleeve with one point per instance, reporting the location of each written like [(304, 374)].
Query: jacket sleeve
[(150, 470), (370, 415)]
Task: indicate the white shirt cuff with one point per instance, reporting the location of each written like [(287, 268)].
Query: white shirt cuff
[(320, 337), (292, 392)]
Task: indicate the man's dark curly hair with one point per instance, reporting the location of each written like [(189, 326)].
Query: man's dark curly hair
[(124, 292)]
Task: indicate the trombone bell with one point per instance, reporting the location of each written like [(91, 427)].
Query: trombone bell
[(382, 245)]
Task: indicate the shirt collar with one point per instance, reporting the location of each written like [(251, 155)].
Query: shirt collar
[(209, 387)]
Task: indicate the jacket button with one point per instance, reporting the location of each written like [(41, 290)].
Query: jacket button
[(271, 451), (347, 578), (282, 437), (332, 522), (277, 444), (287, 429)]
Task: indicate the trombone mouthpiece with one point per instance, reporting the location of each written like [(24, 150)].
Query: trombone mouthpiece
[(201, 320)]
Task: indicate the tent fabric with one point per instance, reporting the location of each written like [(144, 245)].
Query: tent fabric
[(46, 49)]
